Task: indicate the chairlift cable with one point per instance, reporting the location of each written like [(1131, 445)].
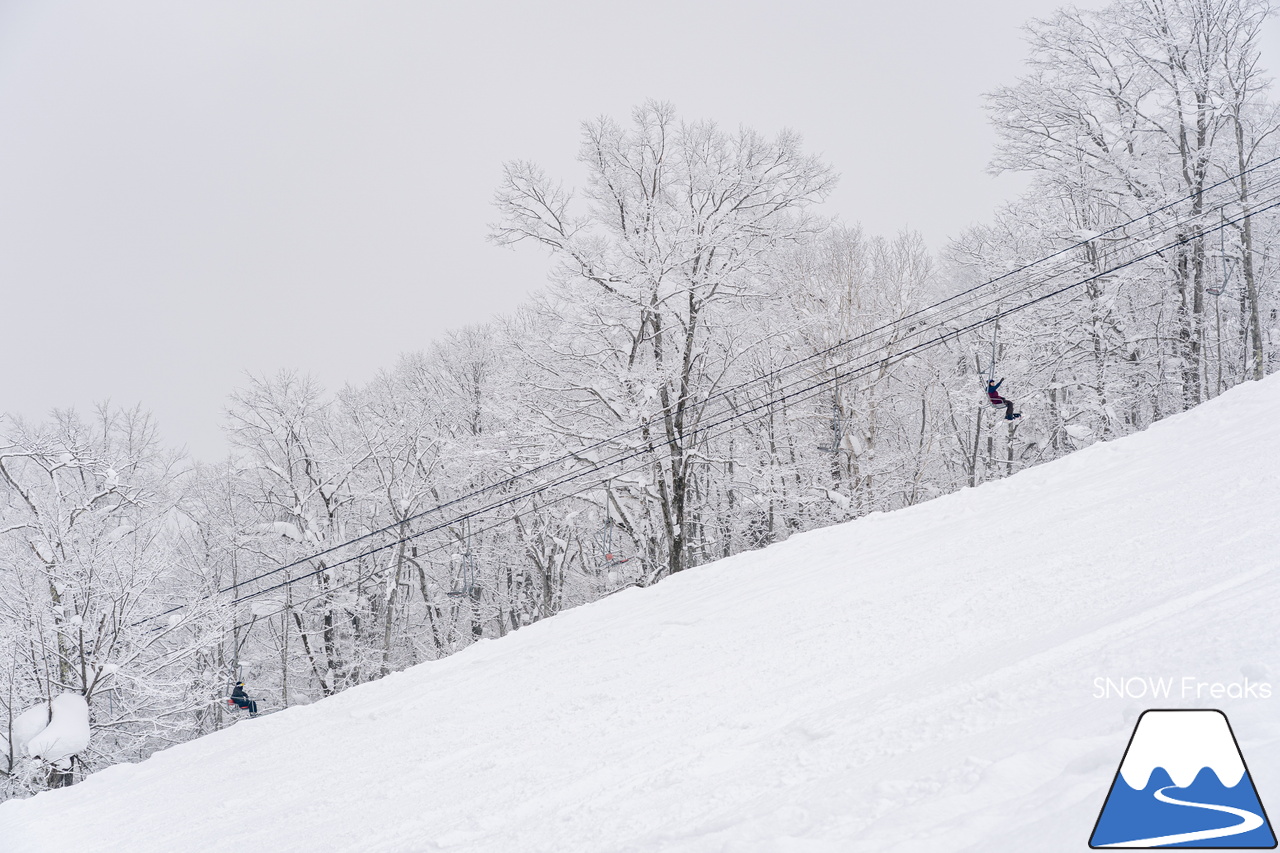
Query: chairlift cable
[(947, 335), (724, 392), (872, 362), (746, 383), (763, 408)]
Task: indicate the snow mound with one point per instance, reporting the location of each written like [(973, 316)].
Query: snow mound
[(933, 680), (26, 726), (67, 734)]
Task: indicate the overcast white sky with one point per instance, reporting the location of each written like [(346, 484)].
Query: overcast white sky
[(192, 191)]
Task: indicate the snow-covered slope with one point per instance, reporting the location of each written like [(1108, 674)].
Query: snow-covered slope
[(918, 681)]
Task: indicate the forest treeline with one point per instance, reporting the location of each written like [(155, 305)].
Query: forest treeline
[(712, 367)]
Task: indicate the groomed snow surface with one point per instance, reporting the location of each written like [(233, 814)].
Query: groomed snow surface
[(918, 681)]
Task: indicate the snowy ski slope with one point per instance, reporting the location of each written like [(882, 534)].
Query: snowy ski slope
[(917, 681)]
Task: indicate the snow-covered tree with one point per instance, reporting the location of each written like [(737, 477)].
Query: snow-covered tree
[(680, 220), (87, 510)]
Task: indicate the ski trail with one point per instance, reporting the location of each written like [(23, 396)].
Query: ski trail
[(1249, 821)]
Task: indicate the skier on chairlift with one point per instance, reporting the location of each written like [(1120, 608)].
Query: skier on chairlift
[(242, 701), (993, 394)]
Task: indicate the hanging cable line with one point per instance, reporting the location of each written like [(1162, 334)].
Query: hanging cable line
[(762, 409), (1011, 287), (811, 357), (920, 313), (776, 400), (1182, 239)]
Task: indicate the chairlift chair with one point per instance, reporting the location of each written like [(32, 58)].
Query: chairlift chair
[(464, 581), (1227, 263), (236, 709), (604, 541), (1217, 288)]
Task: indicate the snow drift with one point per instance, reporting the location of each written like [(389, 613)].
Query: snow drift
[(926, 680)]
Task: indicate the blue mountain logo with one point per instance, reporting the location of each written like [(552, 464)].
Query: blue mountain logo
[(1183, 783)]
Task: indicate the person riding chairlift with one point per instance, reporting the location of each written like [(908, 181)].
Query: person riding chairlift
[(242, 701), (993, 394)]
